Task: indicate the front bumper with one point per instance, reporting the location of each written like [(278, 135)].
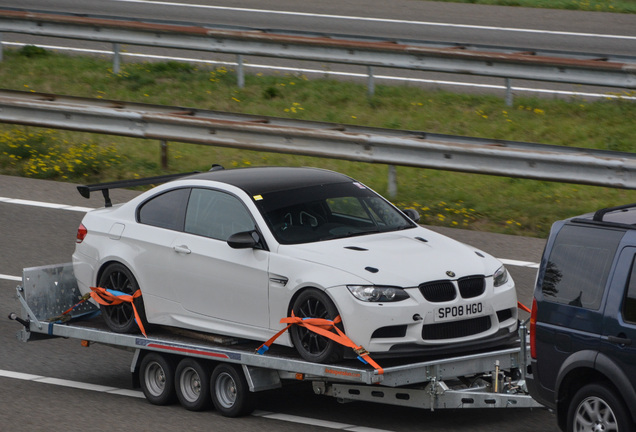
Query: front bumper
[(413, 325)]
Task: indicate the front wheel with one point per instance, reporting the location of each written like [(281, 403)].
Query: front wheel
[(313, 303), (230, 393), (121, 318), (596, 407)]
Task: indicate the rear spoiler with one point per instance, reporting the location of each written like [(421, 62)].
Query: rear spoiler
[(86, 190)]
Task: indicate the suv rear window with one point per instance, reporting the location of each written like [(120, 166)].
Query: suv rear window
[(579, 264)]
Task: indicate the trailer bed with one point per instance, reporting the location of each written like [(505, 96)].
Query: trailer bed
[(49, 291)]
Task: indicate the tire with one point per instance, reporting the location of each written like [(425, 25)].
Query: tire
[(121, 318), (312, 347), (230, 393), (596, 407), (192, 384), (157, 379)]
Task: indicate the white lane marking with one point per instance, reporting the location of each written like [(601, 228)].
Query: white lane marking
[(68, 383), (383, 20), (44, 204), (137, 394), (519, 263), (336, 73), (314, 422)]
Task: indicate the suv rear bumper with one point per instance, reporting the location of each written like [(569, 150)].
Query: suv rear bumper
[(539, 393)]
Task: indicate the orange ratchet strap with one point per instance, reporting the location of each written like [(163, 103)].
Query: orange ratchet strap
[(523, 307), (108, 297), (323, 327)]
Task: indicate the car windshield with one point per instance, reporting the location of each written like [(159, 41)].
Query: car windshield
[(326, 212)]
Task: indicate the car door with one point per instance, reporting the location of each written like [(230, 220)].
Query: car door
[(217, 281), (619, 329)]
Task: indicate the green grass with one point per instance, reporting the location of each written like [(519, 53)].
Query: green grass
[(617, 6), (471, 201)]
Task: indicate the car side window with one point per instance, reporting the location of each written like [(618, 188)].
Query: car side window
[(166, 210), (216, 214), (629, 304), (579, 264)]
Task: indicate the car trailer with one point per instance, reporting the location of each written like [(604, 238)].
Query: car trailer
[(196, 367)]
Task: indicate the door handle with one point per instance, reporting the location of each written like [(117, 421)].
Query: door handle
[(619, 340), (183, 249)]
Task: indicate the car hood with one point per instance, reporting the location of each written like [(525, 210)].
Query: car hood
[(404, 258)]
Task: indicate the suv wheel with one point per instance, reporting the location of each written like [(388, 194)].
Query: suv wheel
[(596, 407)]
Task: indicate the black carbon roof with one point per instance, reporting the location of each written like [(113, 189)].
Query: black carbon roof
[(262, 180)]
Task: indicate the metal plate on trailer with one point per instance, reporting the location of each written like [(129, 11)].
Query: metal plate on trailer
[(51, 290)]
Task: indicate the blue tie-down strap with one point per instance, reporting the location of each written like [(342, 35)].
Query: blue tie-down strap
[(262, 350)]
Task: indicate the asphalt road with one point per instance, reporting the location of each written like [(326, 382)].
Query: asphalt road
[(32, 235), (524, 28)]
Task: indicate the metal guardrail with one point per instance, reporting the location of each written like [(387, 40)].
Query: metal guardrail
[(553, 66), (374, 145)]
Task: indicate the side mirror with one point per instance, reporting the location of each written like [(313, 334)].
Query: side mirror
[(412, 214), (244, 240)]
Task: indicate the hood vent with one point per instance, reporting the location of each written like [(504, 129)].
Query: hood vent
[(371, 269), (356, 248)]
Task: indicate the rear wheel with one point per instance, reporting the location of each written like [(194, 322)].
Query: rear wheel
[(193, 384), (157, 378), (230, 393), (121, 318), (313, 303), (596, 407)]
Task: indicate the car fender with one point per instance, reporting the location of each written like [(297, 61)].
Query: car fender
[(616, 375), (598, 364), (578, 361), (298, 275)]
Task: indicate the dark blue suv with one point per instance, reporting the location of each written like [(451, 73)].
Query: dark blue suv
[(583, 322)]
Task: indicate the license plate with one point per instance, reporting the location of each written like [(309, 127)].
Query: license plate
[(459, 312)]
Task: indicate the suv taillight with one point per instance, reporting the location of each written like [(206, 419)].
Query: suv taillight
[(81, 233), (533, 329)]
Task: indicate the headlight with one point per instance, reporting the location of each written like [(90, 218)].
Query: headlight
[(500, 277), (377, 294)]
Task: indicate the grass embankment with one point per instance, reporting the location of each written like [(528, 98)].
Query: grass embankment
[(471, 201), (617, 6)]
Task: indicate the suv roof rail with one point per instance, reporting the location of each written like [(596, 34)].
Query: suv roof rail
[(85, 190), (598, 216)]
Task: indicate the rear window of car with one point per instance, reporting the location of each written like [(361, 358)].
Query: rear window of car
[(166, 210), (579, 264)]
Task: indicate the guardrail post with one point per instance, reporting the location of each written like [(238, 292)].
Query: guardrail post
[(508, 92), (240, 75), (392, 184), (370, 82), (116, 58), (164, 154)]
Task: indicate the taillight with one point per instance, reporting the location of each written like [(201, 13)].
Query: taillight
[(81, 233), (533, 329)]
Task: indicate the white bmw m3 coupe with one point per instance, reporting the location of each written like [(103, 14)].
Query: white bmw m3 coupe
[(232, 252)]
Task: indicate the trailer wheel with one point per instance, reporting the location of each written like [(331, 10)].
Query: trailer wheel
[(157, 378), (596, 407), (193, 384), (313, 303), (230, 393), (121, 318)]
